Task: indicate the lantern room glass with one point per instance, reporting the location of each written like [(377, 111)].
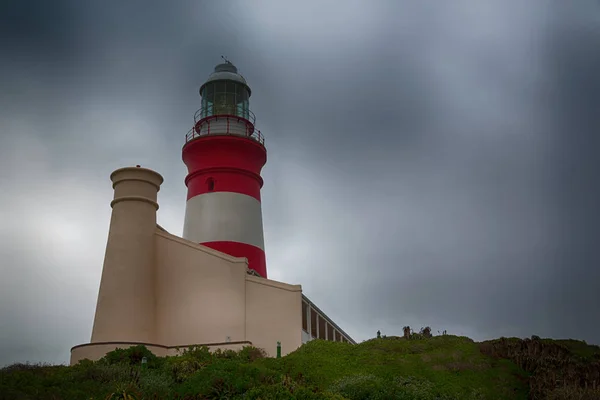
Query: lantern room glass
[(225, 98)]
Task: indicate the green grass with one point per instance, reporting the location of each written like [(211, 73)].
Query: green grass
[(442, 368)]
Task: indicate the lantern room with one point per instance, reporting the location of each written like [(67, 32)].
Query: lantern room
[(225, 93)]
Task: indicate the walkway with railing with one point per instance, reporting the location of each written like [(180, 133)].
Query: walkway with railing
[(227, 124)]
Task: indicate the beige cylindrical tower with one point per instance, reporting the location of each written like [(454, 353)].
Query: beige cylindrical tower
[(126, 305)]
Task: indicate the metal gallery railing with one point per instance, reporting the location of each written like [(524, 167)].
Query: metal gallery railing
[(225, 125)]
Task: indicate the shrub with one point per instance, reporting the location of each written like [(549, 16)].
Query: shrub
[(251, 353), (132, 356), (225, 379), (104, 373), (125, 392), (184, 367), (226, 354), (156, 384), (200, 353), (363, 387), (426, 332)]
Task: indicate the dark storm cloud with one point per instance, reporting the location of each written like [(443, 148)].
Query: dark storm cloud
[(516, 209), (574, 101), (429, 164), (455, 189), (33, 26)]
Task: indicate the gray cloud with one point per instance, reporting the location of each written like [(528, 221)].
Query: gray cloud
[(428, 164)]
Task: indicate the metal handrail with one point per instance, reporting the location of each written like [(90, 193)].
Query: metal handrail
[(239, 112), (326, 318), (195, 133)]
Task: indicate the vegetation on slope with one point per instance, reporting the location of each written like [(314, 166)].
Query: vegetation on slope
[(441, 367), (559, 369)]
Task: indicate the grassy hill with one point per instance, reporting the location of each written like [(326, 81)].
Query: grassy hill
[(441, 367)]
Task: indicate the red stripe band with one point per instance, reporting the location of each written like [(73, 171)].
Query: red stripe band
[(224, 164), (223, 180), (256, 257)]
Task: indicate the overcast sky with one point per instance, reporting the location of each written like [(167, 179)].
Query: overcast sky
[(430, 162)]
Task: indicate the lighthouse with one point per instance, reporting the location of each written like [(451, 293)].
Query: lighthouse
[(208, 288), (224, 154)]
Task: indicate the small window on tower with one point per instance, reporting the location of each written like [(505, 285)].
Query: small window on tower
[(210, 182)]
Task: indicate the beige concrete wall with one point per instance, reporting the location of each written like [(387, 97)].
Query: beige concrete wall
[(159, 289), (273, 313), (201, 293), (204, 296), (125, 306)]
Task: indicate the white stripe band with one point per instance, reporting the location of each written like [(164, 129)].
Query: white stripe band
[(224, 217)]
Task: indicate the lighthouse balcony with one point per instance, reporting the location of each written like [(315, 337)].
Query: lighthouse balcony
[(236, 122)]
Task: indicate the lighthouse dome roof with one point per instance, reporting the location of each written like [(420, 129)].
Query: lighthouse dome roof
[(226, 71)]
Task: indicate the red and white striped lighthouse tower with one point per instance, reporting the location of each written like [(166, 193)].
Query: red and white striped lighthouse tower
[(224, 155)]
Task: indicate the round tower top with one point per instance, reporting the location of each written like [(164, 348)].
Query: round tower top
[(226, 72), (226, 67)]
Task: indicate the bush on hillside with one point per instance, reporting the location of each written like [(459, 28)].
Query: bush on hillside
[(567, 368), (132, 356), (442, 367)]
